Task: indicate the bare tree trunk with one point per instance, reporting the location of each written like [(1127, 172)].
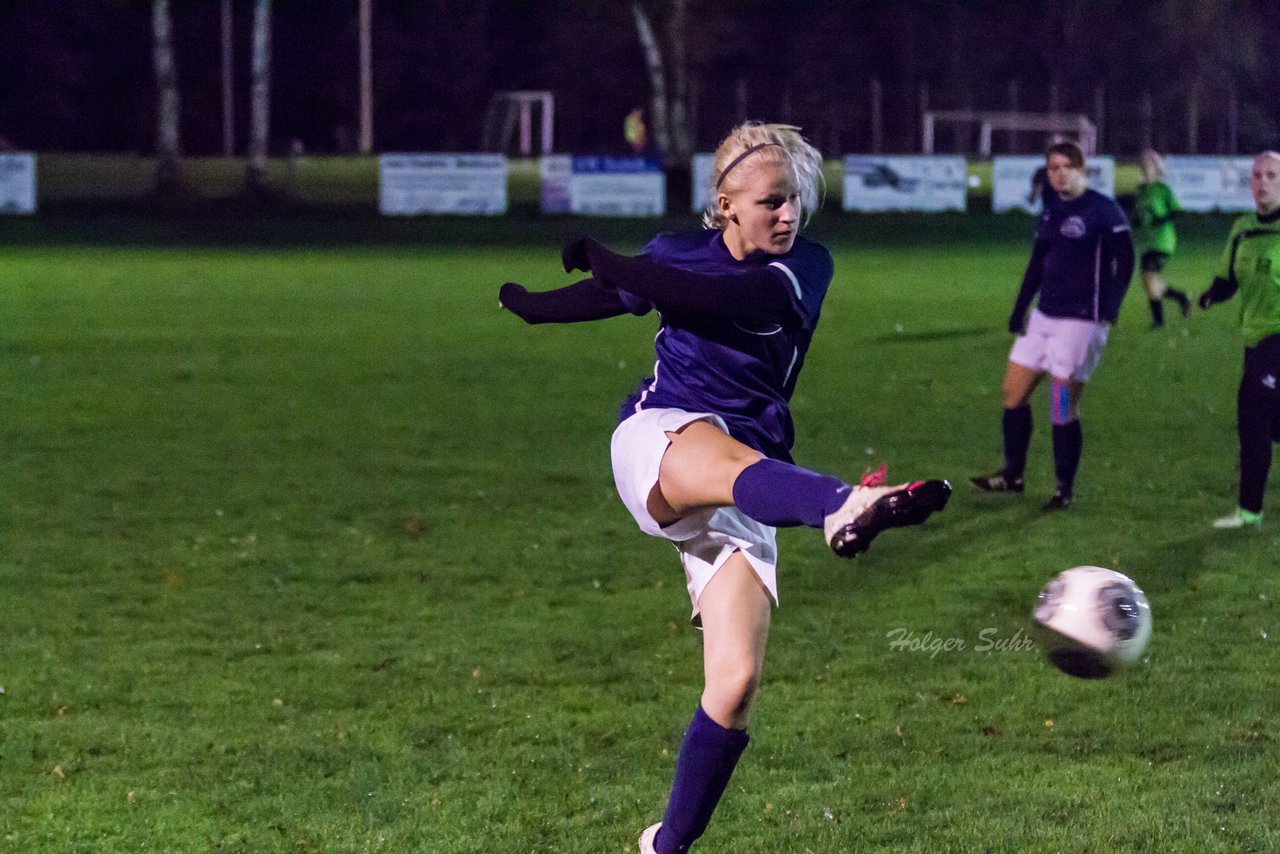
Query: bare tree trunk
[(657, 79), (1147, 111), (681, 134), (1100, 113), (669, 110), (1015, 142), (1233, 121), (1193, 118), (877, 116), (922, 107), (228, 89), (168, 141), (366, 77), (260, 98)]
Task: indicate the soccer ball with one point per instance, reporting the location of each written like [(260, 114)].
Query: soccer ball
[(1093, 621)]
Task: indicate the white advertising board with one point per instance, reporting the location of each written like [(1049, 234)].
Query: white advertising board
[(875, 182), (411, 184), (701, 195), (603, 186), (556, 172), (1204, 183), (18, 183), (1011, 180)]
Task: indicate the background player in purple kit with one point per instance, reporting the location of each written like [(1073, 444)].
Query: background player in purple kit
[(702, 453), (1080, 266)]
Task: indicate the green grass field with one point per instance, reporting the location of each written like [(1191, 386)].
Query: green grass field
[(308, 547)]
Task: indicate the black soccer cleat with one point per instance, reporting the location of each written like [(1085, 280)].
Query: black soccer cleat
[(1059, 501), (1184, 303), (870, 510), (998, 482)]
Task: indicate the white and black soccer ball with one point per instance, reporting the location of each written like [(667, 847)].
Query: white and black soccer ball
[(1093, 621)]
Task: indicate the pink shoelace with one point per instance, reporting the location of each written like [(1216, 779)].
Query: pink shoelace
[(875, 478)]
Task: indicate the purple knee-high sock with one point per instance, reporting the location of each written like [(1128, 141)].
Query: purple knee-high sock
[(1068, 441), (784, 495), (708, 756)]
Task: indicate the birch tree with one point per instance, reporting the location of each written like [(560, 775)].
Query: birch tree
[(669, 97), (668, 82), (259, 98), (168, 107)]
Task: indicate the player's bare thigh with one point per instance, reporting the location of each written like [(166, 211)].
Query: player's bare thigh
[(1154, 284), (1019, 382), (698, 470), (735, 609)]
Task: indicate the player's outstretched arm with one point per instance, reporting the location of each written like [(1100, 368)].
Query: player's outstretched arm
[(1026, 293), (589, 299), (573, 254), (1220, 291), (758, 294)]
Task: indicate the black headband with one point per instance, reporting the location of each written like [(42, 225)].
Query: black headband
[(735, 161)]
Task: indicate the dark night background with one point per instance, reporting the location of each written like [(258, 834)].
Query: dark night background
[(77, 75)]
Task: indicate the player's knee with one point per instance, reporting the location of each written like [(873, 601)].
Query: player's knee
[(703, 458), (733, 687), (1014, 394), (1154, 284), (1061, 410)]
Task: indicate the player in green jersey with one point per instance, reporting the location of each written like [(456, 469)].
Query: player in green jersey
[(1154, 210), (1251, 264)]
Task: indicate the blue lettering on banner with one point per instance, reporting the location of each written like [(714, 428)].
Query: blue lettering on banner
[(589, 164)]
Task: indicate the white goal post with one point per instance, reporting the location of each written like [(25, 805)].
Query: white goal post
[(1060, 124), (510, 112)]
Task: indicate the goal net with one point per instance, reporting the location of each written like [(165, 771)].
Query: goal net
[(508, 124), (1055, 126)]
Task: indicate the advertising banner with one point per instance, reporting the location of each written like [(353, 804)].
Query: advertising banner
[(701, 195), (874, 182), (603, 186), (1204, 183), (410, 184), (18, 183)]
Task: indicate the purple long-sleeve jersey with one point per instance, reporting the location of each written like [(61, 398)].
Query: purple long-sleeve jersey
[(743, 372), (1081, 262)]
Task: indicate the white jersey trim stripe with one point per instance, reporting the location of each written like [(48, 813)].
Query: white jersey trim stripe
[(653, 385), (1097, 279), (795, 283), (795, 354)]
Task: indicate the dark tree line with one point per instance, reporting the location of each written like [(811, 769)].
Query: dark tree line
[(1179, 74)]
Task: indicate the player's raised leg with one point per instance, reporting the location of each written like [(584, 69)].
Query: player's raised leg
[(705, 467)]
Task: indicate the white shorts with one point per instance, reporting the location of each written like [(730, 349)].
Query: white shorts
[(1065, 347), (705, 538)]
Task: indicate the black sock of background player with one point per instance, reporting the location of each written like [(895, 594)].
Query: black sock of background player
[(1017, 440), (1180, 297), (1157, 312), (1068, 441)]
